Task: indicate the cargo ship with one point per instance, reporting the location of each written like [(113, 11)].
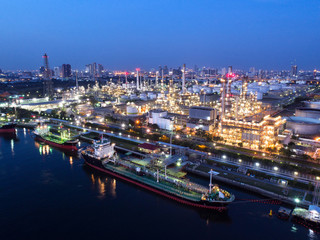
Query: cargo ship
[(102, 156), (43, 134), (7, 127)]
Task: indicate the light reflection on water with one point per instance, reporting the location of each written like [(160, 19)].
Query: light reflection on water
[(44, 149), (104, 185), (12, 146)]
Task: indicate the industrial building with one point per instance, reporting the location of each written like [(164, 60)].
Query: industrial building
[(161, 118), (205, 113), (251, 134)]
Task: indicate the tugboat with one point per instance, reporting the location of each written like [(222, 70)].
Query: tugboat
[(102, 156), (7, 127), (43, 134), (284, 213)]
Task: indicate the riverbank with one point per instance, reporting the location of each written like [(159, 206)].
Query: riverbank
[(249, 187)]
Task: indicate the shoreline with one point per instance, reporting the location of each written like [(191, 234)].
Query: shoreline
[(248, 187)]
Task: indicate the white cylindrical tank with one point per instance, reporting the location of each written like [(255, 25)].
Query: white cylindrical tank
[(132, 110), (315, 105), (303, 126)]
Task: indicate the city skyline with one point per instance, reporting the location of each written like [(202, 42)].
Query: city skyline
[(254, 33)]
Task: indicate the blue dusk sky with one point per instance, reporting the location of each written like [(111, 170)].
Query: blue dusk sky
[(125, 34)]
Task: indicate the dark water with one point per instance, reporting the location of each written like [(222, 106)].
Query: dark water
[(47, 194)]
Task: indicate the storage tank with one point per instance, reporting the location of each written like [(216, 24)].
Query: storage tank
[(315, 105), (308, 112), (132, 110), (303, 126)]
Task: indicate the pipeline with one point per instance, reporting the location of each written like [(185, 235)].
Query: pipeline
[(264, 201)]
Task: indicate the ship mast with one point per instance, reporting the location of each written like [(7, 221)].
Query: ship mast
[(210, 185)]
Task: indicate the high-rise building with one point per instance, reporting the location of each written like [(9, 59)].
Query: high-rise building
[(94, 69), (88, 68), (223, 71), (47, 82), (57, 72), (165, 70), (66, 70), (294, 70), (100, 69)]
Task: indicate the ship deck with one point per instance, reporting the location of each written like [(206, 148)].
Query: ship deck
[(164, 185), (55, 138)]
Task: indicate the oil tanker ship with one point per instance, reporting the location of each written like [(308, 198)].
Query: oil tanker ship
[(43, 134), (7, 127), (102, 156)]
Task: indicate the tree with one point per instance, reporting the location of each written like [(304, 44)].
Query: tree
[(291, 145), (131, 122), (63, 114), (155, 126)]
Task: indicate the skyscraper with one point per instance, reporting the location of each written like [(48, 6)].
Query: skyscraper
[(294, 70), (165, 70), (66, 70), (57, 72), (94, 69), (47, 83), (100, 69)]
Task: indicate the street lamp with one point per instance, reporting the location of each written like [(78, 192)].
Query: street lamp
[(276, 168), (257, 164)]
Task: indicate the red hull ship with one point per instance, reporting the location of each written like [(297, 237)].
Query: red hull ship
[(8, 128), (68, 145)]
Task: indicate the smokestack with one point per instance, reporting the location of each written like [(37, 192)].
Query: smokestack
[(126, 80), (184, 79), (138, 85), (157, 78), (223, 98), (162, 78), (77, 85)]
